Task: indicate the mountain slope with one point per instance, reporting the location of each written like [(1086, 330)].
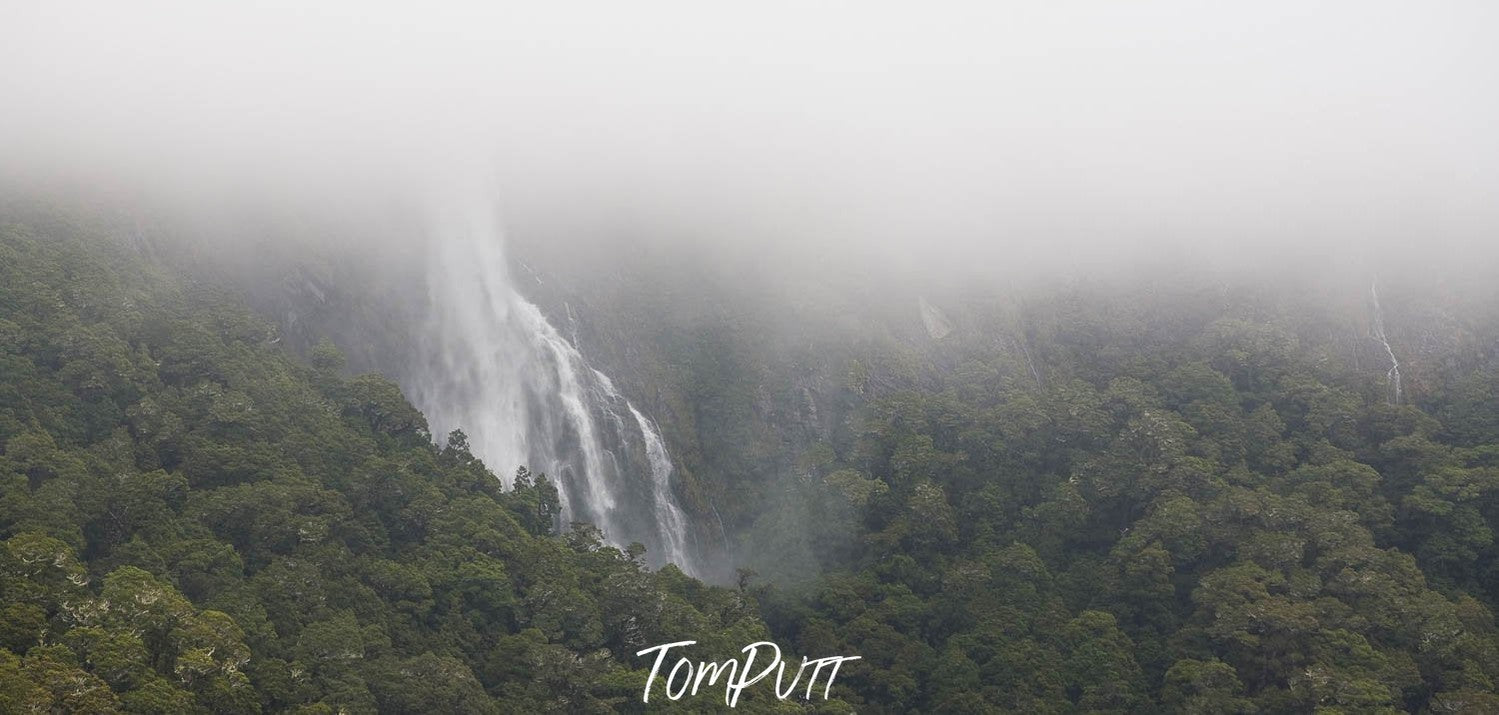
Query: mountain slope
[(194, 521)]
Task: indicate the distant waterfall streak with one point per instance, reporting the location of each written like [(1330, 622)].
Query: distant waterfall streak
[(1393, 375)]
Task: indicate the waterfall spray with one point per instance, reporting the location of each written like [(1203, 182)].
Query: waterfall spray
[(494, 367)]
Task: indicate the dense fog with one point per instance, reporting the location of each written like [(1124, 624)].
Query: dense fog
[(972, 138)]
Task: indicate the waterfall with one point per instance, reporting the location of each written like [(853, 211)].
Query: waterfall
[(493, 366), (1393, 375)]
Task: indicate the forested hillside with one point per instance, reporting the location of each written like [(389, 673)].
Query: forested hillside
[(1200, 500), (194, 521), (1101, 499)]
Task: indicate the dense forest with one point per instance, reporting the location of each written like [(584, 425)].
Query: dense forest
[(195, 521), (1101, 499), (1190, 503)]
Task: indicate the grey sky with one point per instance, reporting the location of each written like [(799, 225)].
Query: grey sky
[(1072, 130)]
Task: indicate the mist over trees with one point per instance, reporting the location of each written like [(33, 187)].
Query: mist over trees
[(194, 521), (1126, 496), (1097, 357)]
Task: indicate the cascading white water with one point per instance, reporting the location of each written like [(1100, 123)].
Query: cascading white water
[(495, 367), (673, 523)]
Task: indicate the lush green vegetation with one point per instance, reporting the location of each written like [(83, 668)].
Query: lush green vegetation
[(194, 521), (1196, 503), (1099, 500)]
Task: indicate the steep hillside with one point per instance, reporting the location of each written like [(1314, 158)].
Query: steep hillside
[(195, 521)]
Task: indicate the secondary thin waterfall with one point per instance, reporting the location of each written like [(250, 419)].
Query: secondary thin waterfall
[(494, 367), (1393, 376), (673, 523)]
